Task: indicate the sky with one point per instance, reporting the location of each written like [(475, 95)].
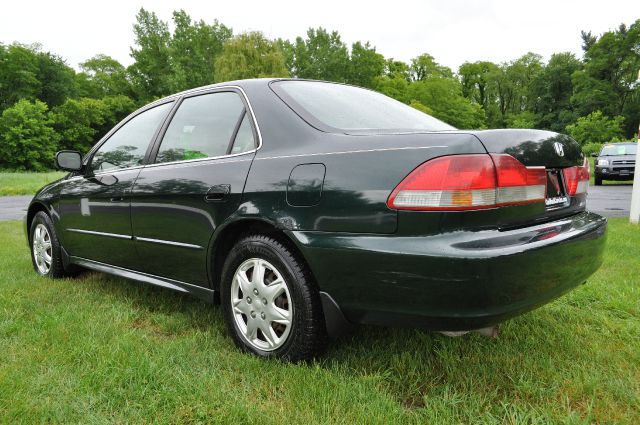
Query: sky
[(453, 31)]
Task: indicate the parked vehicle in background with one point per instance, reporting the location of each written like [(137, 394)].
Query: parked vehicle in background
[(304, 206), (615, 161)]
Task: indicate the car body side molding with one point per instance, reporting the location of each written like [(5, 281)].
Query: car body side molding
[(172, 243), (91, 232), (204, 294)]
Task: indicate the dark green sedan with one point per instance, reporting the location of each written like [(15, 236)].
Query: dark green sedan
[(304, 207)]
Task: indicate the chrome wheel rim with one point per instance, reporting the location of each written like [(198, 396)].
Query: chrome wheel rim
[(42, 249), (261, 304)]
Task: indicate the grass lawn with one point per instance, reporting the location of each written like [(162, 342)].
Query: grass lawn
[(101, 349), (24, 183)]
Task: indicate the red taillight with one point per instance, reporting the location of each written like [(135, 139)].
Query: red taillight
[(577, 178), (467, 182)]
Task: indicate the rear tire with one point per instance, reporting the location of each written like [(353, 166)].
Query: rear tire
[(271, 305), (46, 252), (597, 180)]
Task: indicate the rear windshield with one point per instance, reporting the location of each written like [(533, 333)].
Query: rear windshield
[(611, 150), (338, 107)]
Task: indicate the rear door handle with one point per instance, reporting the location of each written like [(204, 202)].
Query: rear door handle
[(117, 199), (218, 193)]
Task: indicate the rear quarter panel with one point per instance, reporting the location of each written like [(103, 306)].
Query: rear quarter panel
[(361, 172)]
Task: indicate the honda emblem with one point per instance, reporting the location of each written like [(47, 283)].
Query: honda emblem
[(559, 148)]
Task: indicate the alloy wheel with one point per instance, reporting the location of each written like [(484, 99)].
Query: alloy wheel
[(42, 249)]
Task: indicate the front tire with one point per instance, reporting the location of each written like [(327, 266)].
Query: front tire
[(271, 304), (597, 180), (45, 247)]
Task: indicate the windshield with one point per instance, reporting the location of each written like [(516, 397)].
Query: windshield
[(611, 150), (331, 107)]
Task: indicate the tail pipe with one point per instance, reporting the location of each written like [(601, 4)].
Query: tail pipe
[(491, 332)]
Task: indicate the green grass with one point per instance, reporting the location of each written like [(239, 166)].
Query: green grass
[(100, 349), (23, 183)]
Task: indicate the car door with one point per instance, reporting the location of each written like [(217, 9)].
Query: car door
[(94, 207), (200, 166)]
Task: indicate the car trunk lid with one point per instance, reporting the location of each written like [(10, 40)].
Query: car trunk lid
[(558, 153), (533, 147)]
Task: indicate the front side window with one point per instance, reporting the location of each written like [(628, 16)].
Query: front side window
[(343, 108), (127, 146), (207, 126)]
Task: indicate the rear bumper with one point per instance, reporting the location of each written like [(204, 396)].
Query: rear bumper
[(454, 281)]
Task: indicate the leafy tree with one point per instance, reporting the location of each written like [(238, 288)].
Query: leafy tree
[(512, 84), (591, 148), (27, 139), (117, 108), (321, 56), (607, 82), (250, 55), (552, 89), (18, 74), (420, 107), (476, 79), (425, 66), (596, 128), (481, 83), (76, 121), (394, 68), (82, 122), (395, 86), (194, 48), (103, 76), (395, 80), (525, 119), (288, 50), (151, 73), (57, 79), (443, 96), (28, 73), (365, 65)]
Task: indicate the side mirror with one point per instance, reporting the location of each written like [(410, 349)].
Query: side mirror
[(594, 154), (69, 160)]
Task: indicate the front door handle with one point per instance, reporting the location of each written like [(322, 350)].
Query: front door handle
[(218, 193), (117, 199)]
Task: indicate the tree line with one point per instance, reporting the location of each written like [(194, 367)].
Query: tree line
[(46, 105)]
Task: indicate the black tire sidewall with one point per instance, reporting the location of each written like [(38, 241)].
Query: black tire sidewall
[(295, 279), (56, 269)]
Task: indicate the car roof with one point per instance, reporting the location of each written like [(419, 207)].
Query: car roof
[(243, 84)]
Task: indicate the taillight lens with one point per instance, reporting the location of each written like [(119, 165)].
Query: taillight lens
[(577, 178), (468, 182)]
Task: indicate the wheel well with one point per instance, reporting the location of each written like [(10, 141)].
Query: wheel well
[(34, 209), (234, 232)]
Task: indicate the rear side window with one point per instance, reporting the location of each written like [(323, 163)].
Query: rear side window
[(204, 126), (127, 146), (244, 138), (342, 108)]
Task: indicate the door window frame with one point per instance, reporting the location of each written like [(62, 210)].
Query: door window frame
[(88, 158), (154, 144), (248, 112)]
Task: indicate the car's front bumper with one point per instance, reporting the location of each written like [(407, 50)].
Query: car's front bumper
[(454, 281), (612, 173)]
